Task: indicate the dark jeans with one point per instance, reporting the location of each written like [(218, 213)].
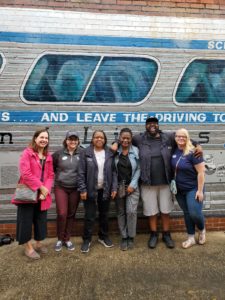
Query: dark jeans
[(28, 215), (67, 201), (192, 210), (90, 215)]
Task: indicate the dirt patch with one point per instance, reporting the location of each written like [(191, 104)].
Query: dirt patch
[(141, 273)]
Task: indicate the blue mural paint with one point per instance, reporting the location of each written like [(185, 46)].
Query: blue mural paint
[(63, 78), (109, 118), (202, 82), (69, 39)]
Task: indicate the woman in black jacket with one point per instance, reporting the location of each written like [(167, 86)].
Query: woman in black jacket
[(97, 183)]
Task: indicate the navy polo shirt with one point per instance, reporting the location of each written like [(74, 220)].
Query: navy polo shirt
[(186, 177)]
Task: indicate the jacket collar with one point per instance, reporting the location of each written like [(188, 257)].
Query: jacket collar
[(35, 154), (90, 151), (132, 150), (76, 151)]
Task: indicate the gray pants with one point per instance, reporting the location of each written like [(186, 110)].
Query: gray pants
[(127, 214)]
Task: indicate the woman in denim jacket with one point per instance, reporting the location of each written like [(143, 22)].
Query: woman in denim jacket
[(128, 172)]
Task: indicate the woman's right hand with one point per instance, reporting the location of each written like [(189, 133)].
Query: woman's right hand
[(83, 196)]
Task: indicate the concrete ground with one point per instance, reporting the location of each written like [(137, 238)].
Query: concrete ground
[(197, 273)]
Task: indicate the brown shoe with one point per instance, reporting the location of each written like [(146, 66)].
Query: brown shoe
[(42, 249), (32, 255)]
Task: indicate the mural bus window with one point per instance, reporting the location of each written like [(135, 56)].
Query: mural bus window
[(202, 82), (90, 79)]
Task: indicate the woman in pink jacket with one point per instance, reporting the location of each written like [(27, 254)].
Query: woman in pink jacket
[(36, 171)]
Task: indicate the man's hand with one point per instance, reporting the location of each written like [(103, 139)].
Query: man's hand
[(198, 152)]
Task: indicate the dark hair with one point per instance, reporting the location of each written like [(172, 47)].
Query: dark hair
[(64, 142), (128, 130), (33, 144), (102, 133)]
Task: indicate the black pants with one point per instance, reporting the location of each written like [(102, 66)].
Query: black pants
[(28, 215), (90, 215)]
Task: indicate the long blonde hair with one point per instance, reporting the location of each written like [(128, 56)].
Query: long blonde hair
[(189, 146)]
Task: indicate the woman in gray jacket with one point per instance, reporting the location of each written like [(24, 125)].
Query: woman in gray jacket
[(67, 197), (128, 172)]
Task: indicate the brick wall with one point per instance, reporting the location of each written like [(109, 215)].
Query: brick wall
[(177, 225), (179, 8)]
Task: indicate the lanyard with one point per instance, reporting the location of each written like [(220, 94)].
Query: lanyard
[(175, 172)]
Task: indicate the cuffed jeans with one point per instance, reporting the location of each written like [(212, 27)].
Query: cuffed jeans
[(90, 207), (67, 201), (127, 214), (192, 209)]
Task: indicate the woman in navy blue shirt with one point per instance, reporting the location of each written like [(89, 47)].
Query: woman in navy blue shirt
[(189, 173)]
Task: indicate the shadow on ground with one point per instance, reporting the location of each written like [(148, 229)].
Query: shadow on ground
[(197, 273)]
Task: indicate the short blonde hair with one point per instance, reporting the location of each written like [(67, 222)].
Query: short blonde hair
[(189, 146)]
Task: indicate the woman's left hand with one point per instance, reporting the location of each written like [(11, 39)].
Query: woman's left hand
[(113, 194), (42, 197), (44, 191), (130, 190), (199, 196)]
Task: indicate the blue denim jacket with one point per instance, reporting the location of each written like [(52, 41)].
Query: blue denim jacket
[(133, 155)]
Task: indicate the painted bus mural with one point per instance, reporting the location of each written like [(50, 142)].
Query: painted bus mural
[(80, 70)]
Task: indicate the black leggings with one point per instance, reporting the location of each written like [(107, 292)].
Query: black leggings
[(28, 215)]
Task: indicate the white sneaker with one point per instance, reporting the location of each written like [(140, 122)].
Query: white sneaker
[(58, 246), (189, 242), (69, 245), (202, 237)]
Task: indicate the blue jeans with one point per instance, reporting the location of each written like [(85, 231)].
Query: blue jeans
[(192, 210)]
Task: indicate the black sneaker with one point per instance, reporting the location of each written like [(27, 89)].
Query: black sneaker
[(85, 247), (106, 242), (153, 240), (130, 243), (124, 244), (166, 237)]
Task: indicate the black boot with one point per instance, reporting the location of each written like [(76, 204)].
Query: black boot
[(153, 240), (166, 237)]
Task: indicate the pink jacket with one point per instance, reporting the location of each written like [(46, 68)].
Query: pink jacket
[(30, 174)]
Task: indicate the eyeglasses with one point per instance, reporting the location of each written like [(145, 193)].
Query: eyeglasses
[(181, 137)]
